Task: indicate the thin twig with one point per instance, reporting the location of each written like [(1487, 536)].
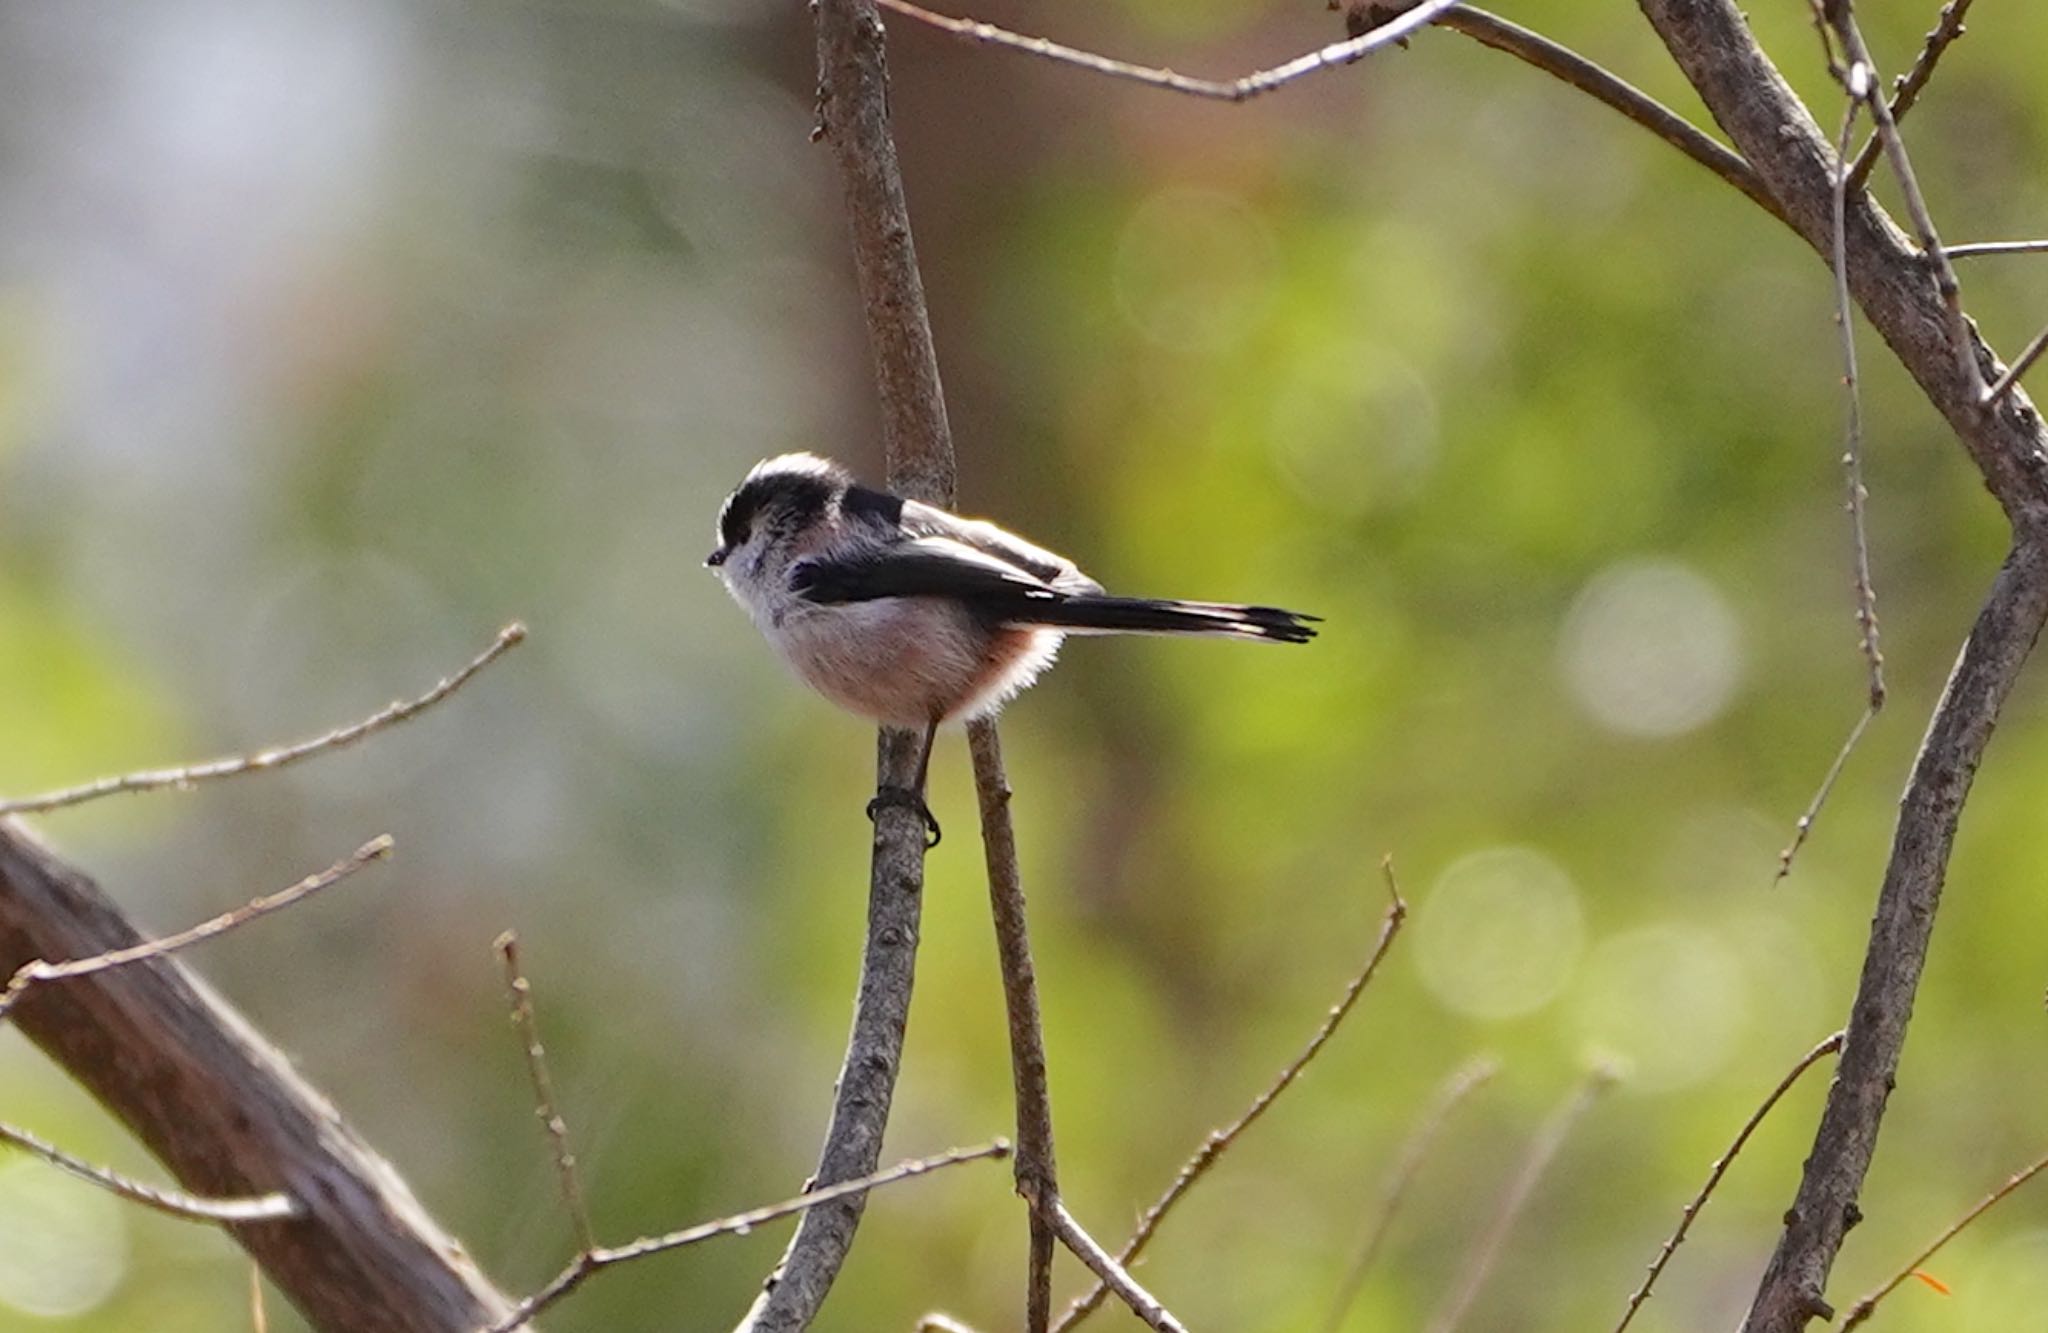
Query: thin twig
[(603, 1257), (1804, 826), (1608, 88), (1865, 1307), (1037, 1172), (1113, 1274), (174, 1203), (1219, 1141), (1946, 29), (1719, 1169), (1227, 90), (264, 761), (1852, 427), (1542, 1150), (38, 970), (1461, 1084), (2027, 358), (545, 1107), (1975, 249), (1843, 18)]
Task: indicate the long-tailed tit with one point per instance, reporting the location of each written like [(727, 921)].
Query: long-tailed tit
[(912, 616)]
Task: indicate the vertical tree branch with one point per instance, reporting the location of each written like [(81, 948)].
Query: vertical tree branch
[(853, 104), (1037, 1174)]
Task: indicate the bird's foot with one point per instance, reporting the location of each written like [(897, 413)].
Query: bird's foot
[(909, 800)]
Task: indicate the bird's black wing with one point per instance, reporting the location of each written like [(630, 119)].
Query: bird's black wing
[(926, 521), (926, 567), (1000, 593)]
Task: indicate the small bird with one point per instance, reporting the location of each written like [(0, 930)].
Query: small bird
[(912, 616)]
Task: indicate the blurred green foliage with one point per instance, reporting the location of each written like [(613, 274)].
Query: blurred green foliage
[(332, 337)]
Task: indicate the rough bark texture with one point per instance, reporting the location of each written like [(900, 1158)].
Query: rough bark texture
[(1895, 287), (228, 1115)]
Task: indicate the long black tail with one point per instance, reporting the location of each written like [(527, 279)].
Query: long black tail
[(1093, 613)]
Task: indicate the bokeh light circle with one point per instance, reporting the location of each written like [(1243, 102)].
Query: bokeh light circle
[(66, 1247), (1500, 933), (1670, 1000), (1651, 648), (1194, 269)]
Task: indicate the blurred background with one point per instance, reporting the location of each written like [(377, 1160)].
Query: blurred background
[(334, 336)]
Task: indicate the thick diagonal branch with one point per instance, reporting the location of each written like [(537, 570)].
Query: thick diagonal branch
[(2005, 633), (1889, 278), (229, 1116)]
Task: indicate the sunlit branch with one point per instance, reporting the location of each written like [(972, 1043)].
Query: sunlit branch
[(2027, 357), (174, 1203), (1946, 29), (1865, 1307), (1608, 88), (1113, 1274), (1977, 249), (1227, 90), (603, 1257), (1691, 1211), (1804, 826), (264, 761), (1219, 1141), (37, 971)]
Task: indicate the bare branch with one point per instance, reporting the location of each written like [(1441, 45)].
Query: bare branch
[(1842, 16), (598, 1259), (1036, 1169), (264, 761), (1771, 127), (2027, 357), (1827, 1046), (1142, 1302), (544, 1105), (1542, 1151), (229, 1115), (1804, 826), (1609, 89), (1892, 282), (2005, 632), (1852, 432), (1867, 1306), (1226, 90), (1946, 30), (854, 116), (37, 970), (1977, 249), (1219, 1141), (1461, 1084), (264, 1208)]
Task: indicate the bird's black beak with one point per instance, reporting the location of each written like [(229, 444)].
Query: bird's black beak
[(717, 557)]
